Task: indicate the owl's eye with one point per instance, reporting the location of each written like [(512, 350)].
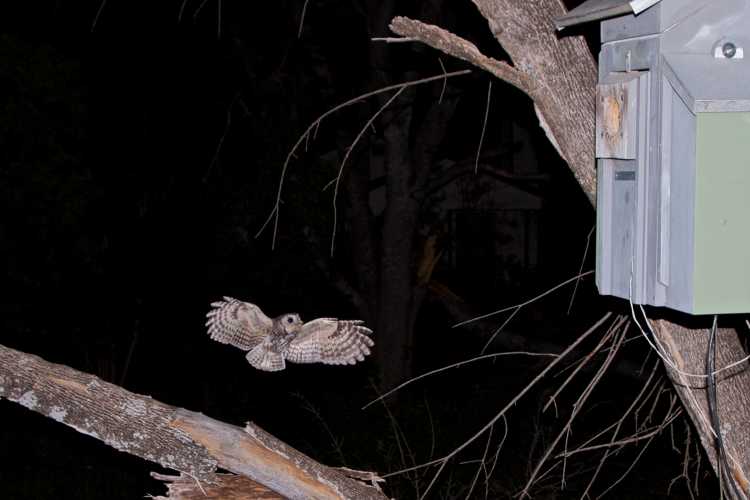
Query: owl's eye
[(290, 319)]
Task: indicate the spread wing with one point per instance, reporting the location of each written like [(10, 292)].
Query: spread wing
[(238, 323), (330, 341)]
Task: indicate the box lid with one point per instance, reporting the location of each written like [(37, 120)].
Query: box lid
[(592, 10)]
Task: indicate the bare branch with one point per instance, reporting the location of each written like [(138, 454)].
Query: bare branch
[(454, 45), (98, 14), (583, 263), (616, 343), (501, 414), (302, 19), (635, 461), (639, 436), (274, 214), (484, 126), (579, 367), (522, 304), (455, 365), (337, 180)]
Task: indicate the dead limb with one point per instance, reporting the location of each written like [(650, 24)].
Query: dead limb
[(179, 439)]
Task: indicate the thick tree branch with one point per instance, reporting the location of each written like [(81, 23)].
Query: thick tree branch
[(179, 439), (688, 348), (454, 45), (563, 70), (545, 68)]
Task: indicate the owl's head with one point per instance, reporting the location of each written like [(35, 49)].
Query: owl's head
[(289, 323)]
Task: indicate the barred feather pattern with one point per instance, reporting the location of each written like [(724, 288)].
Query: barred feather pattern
[(272, 341), (330, 341), (238, 323)]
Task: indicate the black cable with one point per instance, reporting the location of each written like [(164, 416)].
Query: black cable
[(722, 464)]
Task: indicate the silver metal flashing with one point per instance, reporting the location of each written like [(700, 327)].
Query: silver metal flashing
[(593, 10)]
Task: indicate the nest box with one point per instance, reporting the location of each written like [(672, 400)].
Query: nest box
[(673, 152)]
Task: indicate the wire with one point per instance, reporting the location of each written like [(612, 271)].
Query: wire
[(723, 468), (659, 349), (722, 464)]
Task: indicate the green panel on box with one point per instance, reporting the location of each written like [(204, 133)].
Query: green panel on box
[(722, 214)]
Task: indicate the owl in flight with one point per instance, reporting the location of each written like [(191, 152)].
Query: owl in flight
[(271, 342)]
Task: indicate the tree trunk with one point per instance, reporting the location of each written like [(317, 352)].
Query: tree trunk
[(559, 74), (179, 439)]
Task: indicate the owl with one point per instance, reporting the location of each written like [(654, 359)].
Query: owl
[(272, 342)]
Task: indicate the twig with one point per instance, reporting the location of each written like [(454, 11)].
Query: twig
[(522, 304), (619, 421), (444, 460), (400, 436), (484, 126), (445, 82), (337, 180), (632, 465), (199, 9), (274, 214), (218, 19), (399, 39), (617, 341), (580, 366), (98, 13), (481, 464), (302, 19), (626, 440), (307, 405), (456, 365), (131, 349), (499, 329), (685, 474), (495, 458), (181, 11), (575, 363), (217, 152), (432, 427), (583, 263)]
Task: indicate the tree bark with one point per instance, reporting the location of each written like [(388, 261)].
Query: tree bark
[(223, 486), (559, 75), (176, 438)]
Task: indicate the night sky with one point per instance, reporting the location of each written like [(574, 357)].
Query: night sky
[(140, 158)]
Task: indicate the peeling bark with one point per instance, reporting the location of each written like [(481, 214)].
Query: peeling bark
[(179, 439), (223, 486)]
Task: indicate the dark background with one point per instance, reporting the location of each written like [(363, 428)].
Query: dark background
[(129, 201)]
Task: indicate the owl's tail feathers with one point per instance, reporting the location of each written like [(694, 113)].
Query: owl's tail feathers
[(263, 359)]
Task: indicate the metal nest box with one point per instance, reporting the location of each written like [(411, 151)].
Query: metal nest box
[(673, 152)]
